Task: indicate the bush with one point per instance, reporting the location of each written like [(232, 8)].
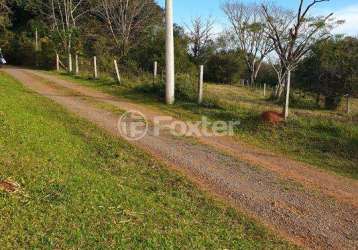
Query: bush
[(225, 67), (332, 102), (186, 89)]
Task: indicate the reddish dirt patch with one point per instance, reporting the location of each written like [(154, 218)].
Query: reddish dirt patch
[(8, 186), (272, 117)]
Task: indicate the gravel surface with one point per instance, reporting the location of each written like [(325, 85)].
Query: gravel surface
[(310, 207)]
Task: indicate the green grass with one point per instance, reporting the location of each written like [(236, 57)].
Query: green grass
[(326, 139), (83, 189)]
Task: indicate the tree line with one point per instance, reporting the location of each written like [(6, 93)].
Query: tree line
[(261, 43)]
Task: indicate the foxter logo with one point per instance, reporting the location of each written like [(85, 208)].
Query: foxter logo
[(133, 125)]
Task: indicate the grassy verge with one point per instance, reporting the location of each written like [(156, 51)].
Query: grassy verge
[(328, 140), (85, 189)]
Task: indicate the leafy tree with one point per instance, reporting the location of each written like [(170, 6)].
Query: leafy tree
[(4, 14), (152, 48), (4, 22), (331, 70)]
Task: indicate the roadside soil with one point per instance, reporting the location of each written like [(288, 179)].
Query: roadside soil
[(311, 207)]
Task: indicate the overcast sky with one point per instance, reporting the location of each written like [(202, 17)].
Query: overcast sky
[(184, 10)]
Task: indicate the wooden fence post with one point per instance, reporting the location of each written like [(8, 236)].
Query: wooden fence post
[(348, 108), (95, 67), (264, 89), (77, 70), (201, 83), (287, 102), (36, 40), (57, 63), (117, 71), (70, 62), (155, 73)]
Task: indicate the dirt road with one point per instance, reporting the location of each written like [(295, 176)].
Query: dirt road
[(307, 206)]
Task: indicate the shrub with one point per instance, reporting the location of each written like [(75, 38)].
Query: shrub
[(224, 67)]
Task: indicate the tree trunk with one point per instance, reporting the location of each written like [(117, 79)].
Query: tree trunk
[(252, 79), (280, 90), (280, 86)]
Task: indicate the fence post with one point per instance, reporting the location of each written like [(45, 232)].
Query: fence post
[(287, 102), (348, 108), (264, 89), (95, 67), (201, 83), (36, 40), (70, 62), (57, 62), (117, 71), (76, 65), (155, 73)]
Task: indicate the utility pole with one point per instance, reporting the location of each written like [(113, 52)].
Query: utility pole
[(169, 53)]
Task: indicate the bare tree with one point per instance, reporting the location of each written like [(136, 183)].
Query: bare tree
[(293, 37), (125, 19), (248, 25), (63, 16), (283, 19), (200, 33), (281, 72)]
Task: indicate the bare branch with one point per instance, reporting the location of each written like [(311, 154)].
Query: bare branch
[(293, 37), (63, 16), (200, 33), (125, 19)]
